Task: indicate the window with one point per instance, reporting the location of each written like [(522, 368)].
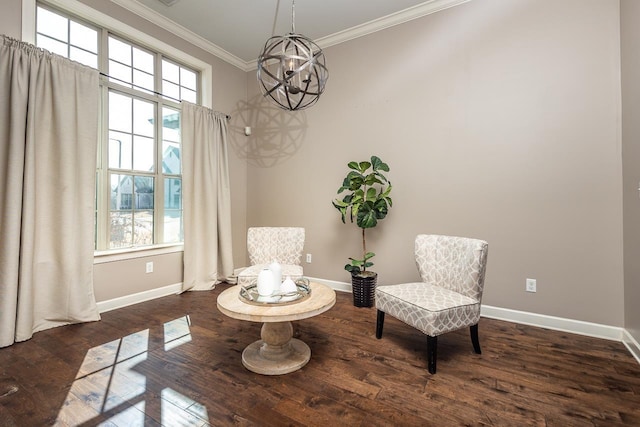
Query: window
[(65, 37), (139, 181)]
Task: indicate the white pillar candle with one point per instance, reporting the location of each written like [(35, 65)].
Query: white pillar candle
[(276, 269), (266, 282)]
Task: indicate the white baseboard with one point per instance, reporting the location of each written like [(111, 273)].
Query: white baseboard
[(335, 285), (631, 344), (127, 300), (551, 322)]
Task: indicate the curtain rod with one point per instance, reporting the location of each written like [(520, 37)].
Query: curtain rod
[(148, 90)]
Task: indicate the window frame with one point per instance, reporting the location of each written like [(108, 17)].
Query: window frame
[(101, 21)]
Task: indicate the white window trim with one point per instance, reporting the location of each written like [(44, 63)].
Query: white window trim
[(113, 255), (93, 16)]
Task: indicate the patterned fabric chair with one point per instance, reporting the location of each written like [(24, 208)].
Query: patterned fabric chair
[(268, 244), (448, 298)]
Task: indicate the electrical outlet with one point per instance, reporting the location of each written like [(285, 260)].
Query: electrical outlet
[(531, 285), (149, 267), (308, 258)]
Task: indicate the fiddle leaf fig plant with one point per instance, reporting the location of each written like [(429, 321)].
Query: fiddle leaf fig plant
[(367, 201)]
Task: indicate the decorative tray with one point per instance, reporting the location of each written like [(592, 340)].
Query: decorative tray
[(249, 294)]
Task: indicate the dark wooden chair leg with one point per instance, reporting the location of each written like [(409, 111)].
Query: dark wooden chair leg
[(379, 324), (474, 338), (432, 353)]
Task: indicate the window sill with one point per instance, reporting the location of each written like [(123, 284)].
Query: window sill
[(101, 257)]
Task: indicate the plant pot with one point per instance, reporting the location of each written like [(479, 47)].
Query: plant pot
[(364, 288)]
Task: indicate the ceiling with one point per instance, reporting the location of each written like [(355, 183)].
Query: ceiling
[(236, 30)]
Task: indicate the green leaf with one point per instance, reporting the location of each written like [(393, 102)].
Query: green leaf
[(352, 269), (379, 164), (353, 165), (343, 209), (364, 166), (372, 179), (366, 218), (369, 255), (381, 208), (381, 177), (354, 181), (371, 194), (376, 162), (354, 211)]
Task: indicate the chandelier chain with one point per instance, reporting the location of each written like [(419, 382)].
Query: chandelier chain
[(293, 17)]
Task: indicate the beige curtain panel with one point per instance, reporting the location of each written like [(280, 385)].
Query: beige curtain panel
[(208, 254), (48, 134)]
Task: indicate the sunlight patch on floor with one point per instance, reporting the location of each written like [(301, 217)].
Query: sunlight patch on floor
[(107, 383)]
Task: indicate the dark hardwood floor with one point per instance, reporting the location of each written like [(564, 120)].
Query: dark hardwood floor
[(176, 361)]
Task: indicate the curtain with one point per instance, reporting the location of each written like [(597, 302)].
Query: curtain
[(208, 254), (48, 141)]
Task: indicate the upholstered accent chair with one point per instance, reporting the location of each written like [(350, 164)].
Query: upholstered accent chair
[(268, 244), (448, 298)]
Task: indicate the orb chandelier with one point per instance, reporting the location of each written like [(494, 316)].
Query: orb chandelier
[(292, 70)]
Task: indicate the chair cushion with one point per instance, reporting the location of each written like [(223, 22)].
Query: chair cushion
[(431, 309), (250, 274)]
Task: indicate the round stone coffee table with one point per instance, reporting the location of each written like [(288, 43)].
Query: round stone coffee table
[(277, 352)]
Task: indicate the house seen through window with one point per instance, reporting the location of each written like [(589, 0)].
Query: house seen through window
[(139, 181)]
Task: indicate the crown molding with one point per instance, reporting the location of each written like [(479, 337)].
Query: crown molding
[(182, 32), (397, 18), (409, 14)]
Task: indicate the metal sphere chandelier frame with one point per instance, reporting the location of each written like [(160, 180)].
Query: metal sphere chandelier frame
[(292, 69)]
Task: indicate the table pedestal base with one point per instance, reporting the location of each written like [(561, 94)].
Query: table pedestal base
[(277, 352)]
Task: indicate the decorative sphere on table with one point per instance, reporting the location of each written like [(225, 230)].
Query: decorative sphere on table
[(288, 286)]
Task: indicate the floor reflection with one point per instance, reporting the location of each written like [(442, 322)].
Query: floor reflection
[(108, 390)]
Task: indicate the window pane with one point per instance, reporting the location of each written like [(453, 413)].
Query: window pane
[(172, 193), (188, 95), (119, 51), (121, 230), (171, 90), (121, 191), (171, 124), (173, 230), (142, 60), (121, 73), (143, 192), (170, 157), (120, 112), (187, 79), (170, 71), (52, 24), (143, 80), (143, 113), (84, 37), (143, 154), (51, 45), (120, 150), (143, 228), (83, 57)]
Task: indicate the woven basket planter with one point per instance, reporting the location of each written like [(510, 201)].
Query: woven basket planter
[(364, 289)]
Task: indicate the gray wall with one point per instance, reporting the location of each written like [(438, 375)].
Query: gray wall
[(500, 120), (630, 40)]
